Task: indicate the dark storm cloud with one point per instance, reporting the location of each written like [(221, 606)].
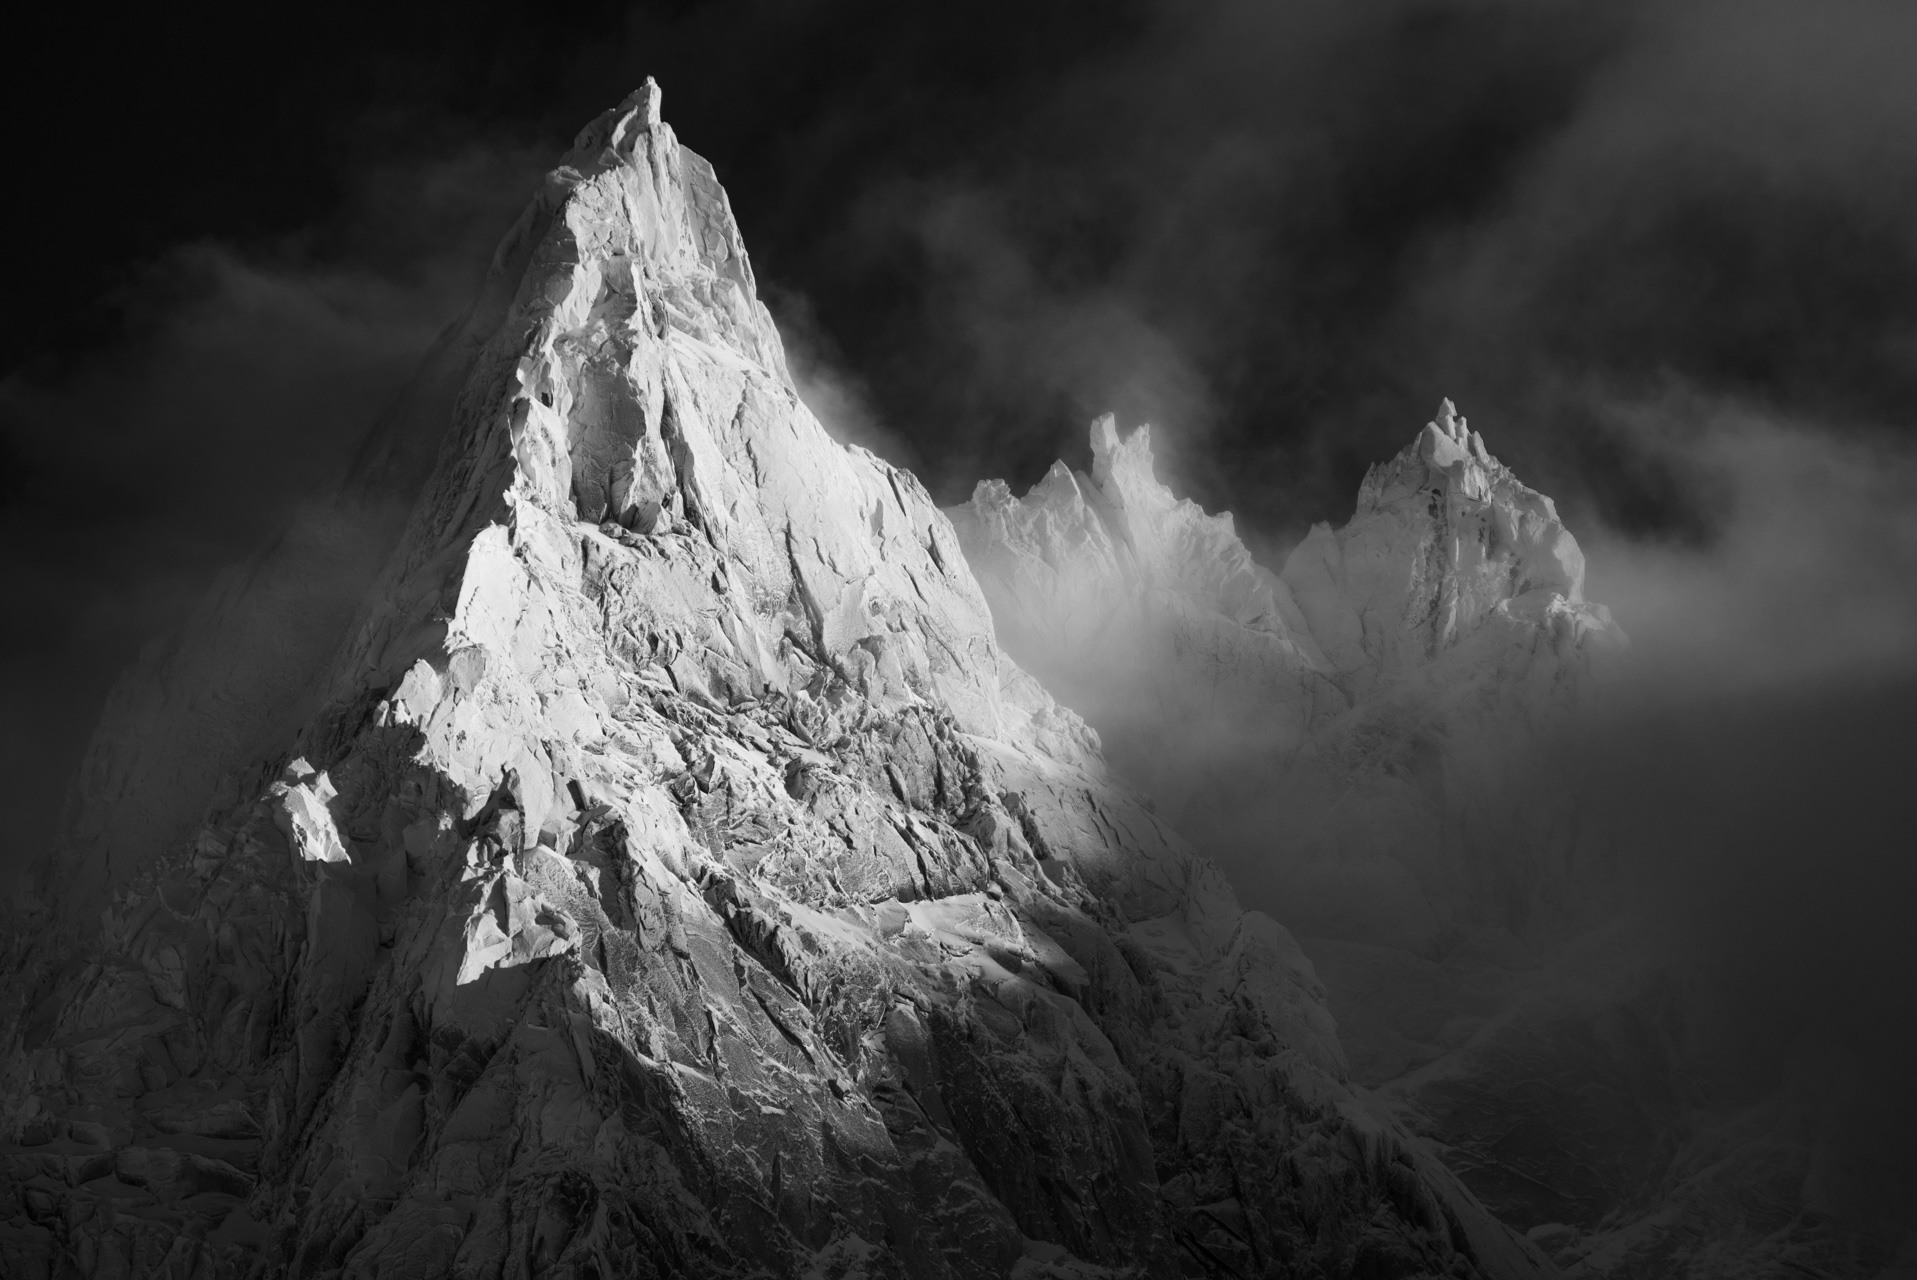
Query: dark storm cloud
[(1812, 576), (1729, 211), (1212, 224), (1760, 832), (1284, 230)]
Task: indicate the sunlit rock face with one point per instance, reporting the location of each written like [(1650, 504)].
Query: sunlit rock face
[(667, 873), (1450, 565)]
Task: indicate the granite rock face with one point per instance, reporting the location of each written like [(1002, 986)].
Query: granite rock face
[(663, 871)]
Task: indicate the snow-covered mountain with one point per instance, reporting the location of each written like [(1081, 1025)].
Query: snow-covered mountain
[(639, 857)]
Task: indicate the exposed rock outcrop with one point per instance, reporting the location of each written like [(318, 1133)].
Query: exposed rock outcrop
[(667, 873)]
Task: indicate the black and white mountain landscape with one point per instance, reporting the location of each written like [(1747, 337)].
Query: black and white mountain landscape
[(1018, 733)]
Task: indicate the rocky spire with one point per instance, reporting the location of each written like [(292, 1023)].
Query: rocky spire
[(646, 101), (1449, 559), (669, 874)]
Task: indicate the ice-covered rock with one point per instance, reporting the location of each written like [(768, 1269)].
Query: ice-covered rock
[(662, 870), (1449, 563)]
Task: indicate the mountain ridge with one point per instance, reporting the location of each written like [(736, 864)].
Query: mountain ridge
[(668, 874), (1434, 834)]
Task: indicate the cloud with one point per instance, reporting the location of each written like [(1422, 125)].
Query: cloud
[(1741, 773), (1810, 576), (1287, 229)]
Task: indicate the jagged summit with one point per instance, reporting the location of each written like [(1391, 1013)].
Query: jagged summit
[(1446, 551), (1121, 522), (1448, 559), (1448, 422), (1145, 612), (646, 100), (661, 869)]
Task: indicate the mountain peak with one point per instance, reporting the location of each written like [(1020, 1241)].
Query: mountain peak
[(1448, 439), (619, 128), (645, 102), (674, 860), (1446, 547)]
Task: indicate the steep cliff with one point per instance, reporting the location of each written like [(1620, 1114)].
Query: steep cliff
[(662, 871)]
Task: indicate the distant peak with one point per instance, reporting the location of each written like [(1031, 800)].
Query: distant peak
[(1450, 421)]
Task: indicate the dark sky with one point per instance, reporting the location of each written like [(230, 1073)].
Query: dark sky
[(1279, 231)]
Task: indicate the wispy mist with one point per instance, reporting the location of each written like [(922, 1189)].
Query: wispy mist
[(1749, 768)]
